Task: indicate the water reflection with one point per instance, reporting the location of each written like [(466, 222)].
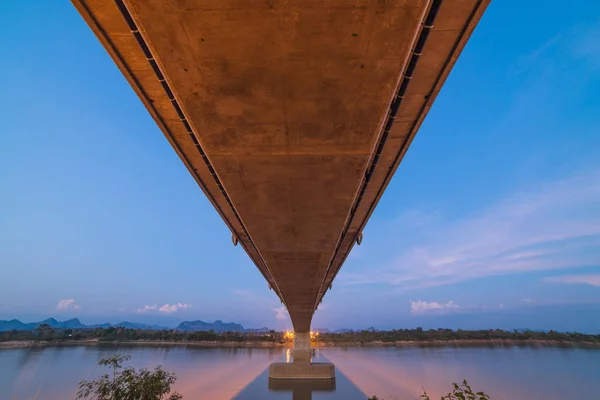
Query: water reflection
[(399, 373), (302, 389), (510, 373), (274, 389)]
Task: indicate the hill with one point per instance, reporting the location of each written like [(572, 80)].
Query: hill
[(15, 324), (74, 323), (217, 326)]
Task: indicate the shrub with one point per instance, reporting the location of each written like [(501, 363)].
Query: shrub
[(127, 383)]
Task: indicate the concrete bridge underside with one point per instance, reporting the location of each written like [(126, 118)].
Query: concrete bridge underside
[(292, 115)]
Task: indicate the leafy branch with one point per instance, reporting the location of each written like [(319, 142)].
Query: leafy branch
[(127, 383), (459, 392)]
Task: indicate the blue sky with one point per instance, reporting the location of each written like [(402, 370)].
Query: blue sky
[(492, 220)]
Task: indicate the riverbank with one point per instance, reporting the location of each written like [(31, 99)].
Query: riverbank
[(16, 344)]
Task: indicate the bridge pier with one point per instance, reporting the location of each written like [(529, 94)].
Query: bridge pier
[(302, 349), (302, 366), (302, 389)]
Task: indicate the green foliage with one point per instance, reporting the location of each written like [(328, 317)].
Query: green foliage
[(120, 334), (460, 392), (44, 332), (448, 335), (127, 383), (418, 335)]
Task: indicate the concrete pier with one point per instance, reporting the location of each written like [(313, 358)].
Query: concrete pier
[(302, 366), (313, 371), (302, 351)]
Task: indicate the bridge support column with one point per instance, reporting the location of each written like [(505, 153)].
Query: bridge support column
[(302, 366), (302, 351)]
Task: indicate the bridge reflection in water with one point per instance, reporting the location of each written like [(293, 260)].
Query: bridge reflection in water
[(301, 389), (264, 388)]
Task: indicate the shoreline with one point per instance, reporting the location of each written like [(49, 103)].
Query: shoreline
[(20, 344)]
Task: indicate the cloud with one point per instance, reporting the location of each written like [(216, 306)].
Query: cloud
[(587, 45), (174, 307), (546, 301), (280, 313), (527, 300), (167, 308), (147, 308), (550, 226), (591, 279), (549, 222), (242, 292), (67, 304), (573, 45), (423, 307), (528, 61)]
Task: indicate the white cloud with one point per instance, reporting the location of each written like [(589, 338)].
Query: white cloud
[(434, 307), (422, 307), (553, 226), (166, 308), (174, 307), (544, 214), (147, 308), (527, 300), (280, 313), (591, 279), (242, 292), (546, 301), (67, 304)]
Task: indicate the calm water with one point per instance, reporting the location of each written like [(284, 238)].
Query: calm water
[(394, 373)]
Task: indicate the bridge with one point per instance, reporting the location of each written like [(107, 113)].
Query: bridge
[(291, 115)]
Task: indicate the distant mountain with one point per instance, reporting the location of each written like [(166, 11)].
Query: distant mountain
[(186, 326), (217, 326), (74, 323), (343, 331), (15, 324), (103, 326), (264, 329), (134, 325), (70, 324)]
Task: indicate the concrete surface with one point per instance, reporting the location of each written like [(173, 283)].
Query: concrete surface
[(278, 108), (302, 348), (313, 371)]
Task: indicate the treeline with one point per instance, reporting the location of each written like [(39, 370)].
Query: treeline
[(46, 333), (422, 335)]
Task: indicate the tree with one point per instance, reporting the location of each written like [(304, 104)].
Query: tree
[(44, 331), (126, 383), (460, 392)]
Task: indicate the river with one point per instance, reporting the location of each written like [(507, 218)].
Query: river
[(507, 373)]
